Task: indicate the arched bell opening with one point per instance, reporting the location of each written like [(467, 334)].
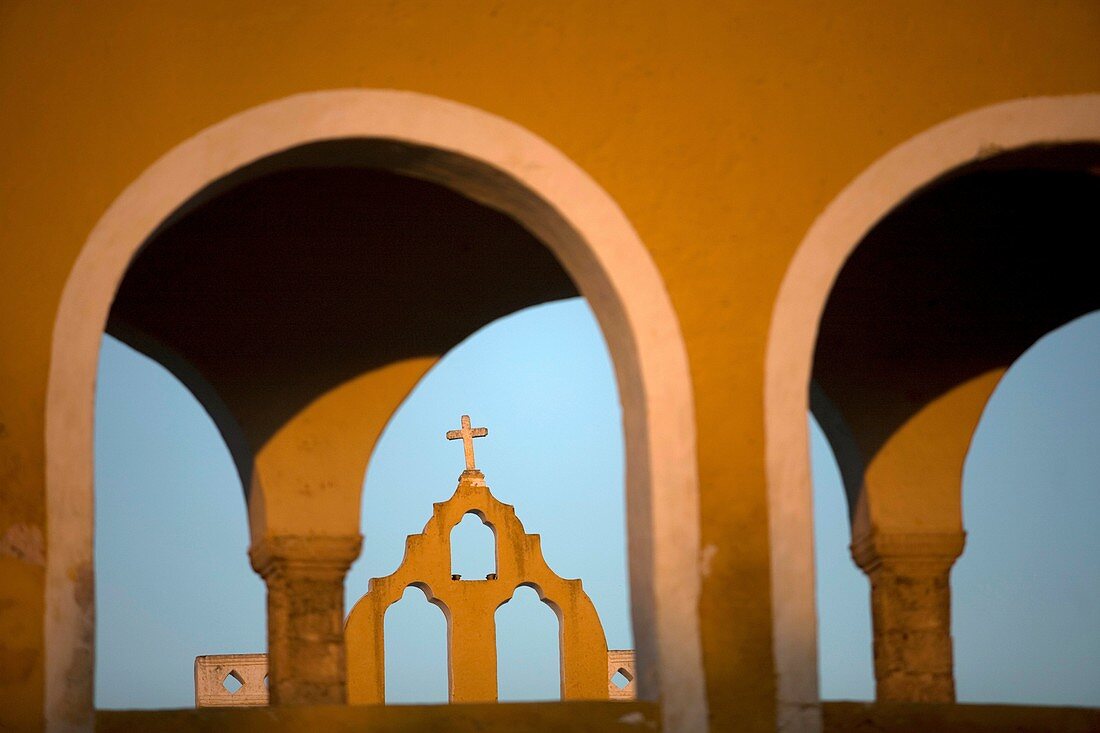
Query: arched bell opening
[(528, 653), (473, 548), (415, 649)]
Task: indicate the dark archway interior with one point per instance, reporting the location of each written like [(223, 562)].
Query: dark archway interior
[(959, 279), (265, 294)]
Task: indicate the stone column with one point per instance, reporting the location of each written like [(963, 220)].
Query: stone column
[(911, 612), (305, 615)]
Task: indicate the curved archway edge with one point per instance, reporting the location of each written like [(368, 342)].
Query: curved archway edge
[(796, 315), (529, 180)]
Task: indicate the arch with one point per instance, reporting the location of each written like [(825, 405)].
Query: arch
[(428, 644), (437, 394), (489, 160), (793, 334), (533, 625), (477, 537)]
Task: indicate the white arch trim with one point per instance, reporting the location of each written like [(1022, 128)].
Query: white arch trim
[(585, 229), (793, 335)]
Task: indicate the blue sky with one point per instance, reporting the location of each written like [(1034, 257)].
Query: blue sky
[(173, 579)]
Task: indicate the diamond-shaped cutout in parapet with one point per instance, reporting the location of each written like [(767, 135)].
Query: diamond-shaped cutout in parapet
[(232, 682), (621, 674)]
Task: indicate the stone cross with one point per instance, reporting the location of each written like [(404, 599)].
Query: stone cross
[(467, 434)]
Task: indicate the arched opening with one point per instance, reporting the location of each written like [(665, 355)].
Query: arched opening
[(172, 535), (473, 549), (928, 312), (793, 340), (1029, 572), (528, 657), (543, 382), (416, 650), (485, 159), (353, 271)]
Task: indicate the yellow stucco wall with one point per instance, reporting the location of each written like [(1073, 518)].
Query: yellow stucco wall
[(721, 129)]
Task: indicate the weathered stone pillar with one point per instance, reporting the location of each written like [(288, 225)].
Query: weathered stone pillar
[(911, 612), (305, 615)]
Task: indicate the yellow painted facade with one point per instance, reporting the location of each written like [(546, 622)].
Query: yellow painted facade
[(722, 130)]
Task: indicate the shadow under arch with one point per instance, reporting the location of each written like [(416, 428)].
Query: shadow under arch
[(493, 162), (793, 336)]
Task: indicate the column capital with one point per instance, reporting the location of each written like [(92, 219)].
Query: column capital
[(935, 551), (273, 555)]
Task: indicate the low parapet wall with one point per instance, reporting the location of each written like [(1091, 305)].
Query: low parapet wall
[(212, 673)]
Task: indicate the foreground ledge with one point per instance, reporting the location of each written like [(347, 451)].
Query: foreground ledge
[(634, 716), (865, 717)]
